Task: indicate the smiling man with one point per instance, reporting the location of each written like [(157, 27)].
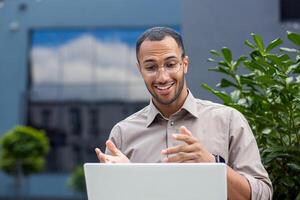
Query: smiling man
[(176, 127)]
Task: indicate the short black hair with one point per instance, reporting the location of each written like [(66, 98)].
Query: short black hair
[(158, 34)]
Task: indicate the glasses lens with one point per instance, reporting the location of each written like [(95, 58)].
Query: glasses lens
[(171, 67)]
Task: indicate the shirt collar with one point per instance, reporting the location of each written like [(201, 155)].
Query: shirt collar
[(190, 105)]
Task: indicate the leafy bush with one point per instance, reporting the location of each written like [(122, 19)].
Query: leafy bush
[(23, 147), (23, 151), (77, 181), (265, 87)]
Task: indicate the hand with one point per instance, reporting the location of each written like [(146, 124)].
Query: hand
[(192, 152), (116, 157)]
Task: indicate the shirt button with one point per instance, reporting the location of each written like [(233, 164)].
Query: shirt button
[(172, 123)]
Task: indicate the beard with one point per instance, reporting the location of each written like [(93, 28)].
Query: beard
[(175, 97)]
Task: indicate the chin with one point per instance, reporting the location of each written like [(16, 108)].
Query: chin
[(166, 100)]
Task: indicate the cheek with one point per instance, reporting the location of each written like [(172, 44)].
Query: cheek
[(148, 82)]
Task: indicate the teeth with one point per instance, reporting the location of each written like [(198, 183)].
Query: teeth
[(164, 87)]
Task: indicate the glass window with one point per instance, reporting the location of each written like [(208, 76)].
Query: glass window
[(75, 121), (290, 10), (46, 118), (94, 122)]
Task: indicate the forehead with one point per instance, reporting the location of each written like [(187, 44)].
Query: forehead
[(159, 49)]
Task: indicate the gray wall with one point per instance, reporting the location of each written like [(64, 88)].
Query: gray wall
[(210, 25)]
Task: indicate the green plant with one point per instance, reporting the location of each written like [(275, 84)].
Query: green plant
[(22, 152), (265, 87), (77, 181)]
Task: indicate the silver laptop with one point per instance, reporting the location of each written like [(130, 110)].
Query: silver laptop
[(156, 181)]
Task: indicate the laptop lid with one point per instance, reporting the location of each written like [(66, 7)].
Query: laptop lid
[(153, 181)]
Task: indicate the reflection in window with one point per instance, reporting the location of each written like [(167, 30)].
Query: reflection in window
[(94, 121), (45, 118), (77, 158), (86, 65), (75, 121)]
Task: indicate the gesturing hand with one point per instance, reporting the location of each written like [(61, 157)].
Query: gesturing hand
[(191, 151), (116, 157)]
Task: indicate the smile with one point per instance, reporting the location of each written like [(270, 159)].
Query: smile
[(164, 87)]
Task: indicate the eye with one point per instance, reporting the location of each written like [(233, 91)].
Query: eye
[(150, 67), (171, 64)]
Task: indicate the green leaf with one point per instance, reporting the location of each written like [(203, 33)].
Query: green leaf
[(259, 42), (225, 64), (289, 50), (235, 95), (274, 44), (249, 44), (222, 95), (226, 83), (284, 57), (220, 69), (238, 62), (214, 52), (252, 66), (294, 166), (289, 80), (294, 37), (211, 60), (274, 59), (298, 196), (266, 131), (227, 54)]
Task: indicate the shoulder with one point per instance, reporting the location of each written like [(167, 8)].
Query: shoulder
[(219, 112), (211, 107)]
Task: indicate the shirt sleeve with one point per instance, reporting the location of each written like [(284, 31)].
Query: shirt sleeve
[(245, 159), (115, 137)]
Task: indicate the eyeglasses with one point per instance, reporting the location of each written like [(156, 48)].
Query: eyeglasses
[(151, 68)]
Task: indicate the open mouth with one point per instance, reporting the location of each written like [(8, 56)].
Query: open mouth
[(164, 89)]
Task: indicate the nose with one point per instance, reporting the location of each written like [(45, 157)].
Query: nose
[(162, 75)]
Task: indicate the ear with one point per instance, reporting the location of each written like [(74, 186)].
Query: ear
[(185, 62)]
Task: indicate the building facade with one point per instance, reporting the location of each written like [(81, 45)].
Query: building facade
[(75, 126)]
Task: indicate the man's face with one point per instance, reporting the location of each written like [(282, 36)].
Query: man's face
[(165, 83)]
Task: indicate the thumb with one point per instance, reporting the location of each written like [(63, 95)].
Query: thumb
[(112, 148), (185, 131)]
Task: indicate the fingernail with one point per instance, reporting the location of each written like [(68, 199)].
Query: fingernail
[(174, 136), (165, 160), (164, 151)]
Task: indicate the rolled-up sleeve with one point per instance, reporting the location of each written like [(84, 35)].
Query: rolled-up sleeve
[(245, 159)]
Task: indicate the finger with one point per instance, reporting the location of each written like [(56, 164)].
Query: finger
[(177, 149), (112, 148), (190, 161), (185, 138), (181, 157), (185, 131), (100, 155), (110, 159)]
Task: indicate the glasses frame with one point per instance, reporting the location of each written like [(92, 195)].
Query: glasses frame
[(163, 66)]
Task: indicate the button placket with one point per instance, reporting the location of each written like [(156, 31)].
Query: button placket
[(171, 131)]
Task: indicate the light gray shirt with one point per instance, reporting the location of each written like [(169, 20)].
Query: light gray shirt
[(222, 130)]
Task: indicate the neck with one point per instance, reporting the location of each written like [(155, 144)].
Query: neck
[(168, 110)]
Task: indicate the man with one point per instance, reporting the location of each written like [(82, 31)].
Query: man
[(176, 127)]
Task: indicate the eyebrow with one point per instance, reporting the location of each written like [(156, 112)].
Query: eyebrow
[(152, 60)]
